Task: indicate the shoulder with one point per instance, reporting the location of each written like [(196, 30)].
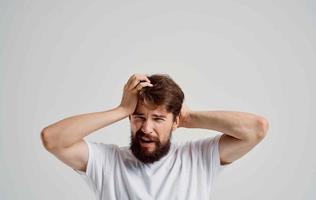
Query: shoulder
[(100, 149)]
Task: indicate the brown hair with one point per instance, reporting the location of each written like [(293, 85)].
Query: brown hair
[(164, 92)]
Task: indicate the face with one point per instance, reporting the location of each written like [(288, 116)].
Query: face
[(151, 131)]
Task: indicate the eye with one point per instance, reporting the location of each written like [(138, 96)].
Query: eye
[(159, 119), (138, 117)]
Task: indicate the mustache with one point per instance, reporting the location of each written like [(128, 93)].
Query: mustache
[(141, 134)]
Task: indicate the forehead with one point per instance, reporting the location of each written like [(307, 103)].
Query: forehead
[(144, 109)]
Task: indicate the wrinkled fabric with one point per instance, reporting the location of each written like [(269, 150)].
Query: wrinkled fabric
[(187, 172)]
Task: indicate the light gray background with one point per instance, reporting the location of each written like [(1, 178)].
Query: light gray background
[(63, 58)]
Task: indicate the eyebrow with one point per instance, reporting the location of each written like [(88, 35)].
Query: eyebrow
[(162, 116), (155, 115), (137, 113)]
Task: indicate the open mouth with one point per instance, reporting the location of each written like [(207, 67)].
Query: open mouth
[(145, 140)]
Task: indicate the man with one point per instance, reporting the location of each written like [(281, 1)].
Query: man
[(153, 167)]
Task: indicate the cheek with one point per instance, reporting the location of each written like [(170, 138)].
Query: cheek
[(135, 125), (164, 133)]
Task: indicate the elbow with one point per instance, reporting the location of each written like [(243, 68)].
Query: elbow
[(262, 127), (46, 140)]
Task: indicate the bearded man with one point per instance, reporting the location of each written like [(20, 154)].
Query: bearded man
[(154, 166)]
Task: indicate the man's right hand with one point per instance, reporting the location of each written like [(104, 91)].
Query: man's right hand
[(64, 138), (134, 84)]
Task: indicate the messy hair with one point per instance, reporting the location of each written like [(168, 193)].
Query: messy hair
[(164, 92)]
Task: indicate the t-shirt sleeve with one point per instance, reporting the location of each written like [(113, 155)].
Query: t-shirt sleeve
[(208, 155), (100, 161)]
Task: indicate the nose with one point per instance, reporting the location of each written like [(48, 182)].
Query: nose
[(147, 127)]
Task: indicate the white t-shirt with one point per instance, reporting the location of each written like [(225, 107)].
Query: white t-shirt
[(186, 172)]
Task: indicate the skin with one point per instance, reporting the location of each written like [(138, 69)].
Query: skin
[(155, 124), (64, 139), (241, 131)]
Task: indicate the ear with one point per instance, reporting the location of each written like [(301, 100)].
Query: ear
[(176, 123)]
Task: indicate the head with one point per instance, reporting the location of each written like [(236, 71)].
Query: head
[(155, 118)]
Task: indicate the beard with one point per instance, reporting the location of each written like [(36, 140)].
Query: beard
[(145, 156)]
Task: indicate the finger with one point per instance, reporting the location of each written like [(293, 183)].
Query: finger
[(139, 79), (130, 80), (143, 84), (146, 77), (141, 76)]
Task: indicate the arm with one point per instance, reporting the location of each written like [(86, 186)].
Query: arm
[(64, 138), (242, 131), (71, 130)]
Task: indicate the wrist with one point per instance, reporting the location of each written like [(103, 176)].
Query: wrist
[(185, 120), (124, 111)]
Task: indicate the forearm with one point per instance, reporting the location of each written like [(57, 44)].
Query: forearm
[(240, 125), (68, 131)]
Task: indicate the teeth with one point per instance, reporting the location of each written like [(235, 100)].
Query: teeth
[(146, 140)]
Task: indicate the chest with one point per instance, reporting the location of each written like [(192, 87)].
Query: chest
[(171, 179)]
